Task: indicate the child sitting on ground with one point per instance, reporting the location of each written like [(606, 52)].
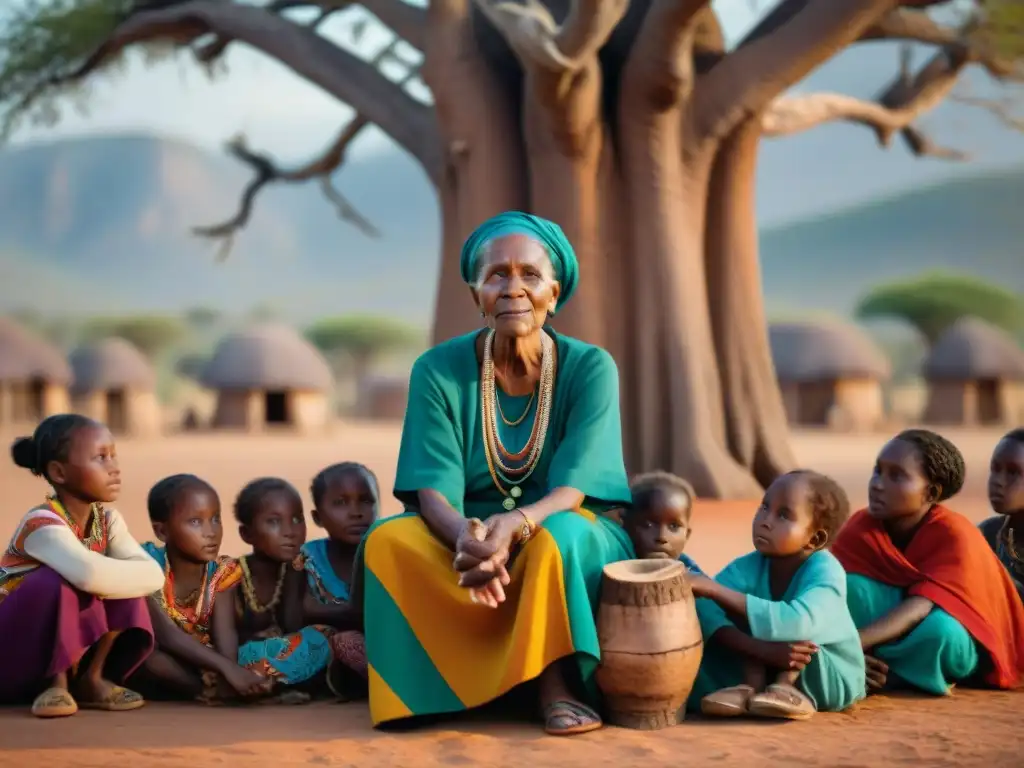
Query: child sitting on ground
[(346, 502), (184, 511), (658, 521), (1005, 532), (780, 641), (263, 625)]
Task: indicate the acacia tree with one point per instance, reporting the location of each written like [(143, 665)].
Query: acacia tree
[(627, 122), (932, 303)]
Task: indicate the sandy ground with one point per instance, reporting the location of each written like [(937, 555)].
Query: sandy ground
[(970, 728)]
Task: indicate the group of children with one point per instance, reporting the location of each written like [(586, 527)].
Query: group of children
[(825, 609), (276, 625)]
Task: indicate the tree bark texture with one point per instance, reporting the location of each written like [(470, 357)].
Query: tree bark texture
[(627, 124)]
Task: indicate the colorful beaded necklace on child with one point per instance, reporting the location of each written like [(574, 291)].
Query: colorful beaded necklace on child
[(96, 527), (249, 589), (170, 601), (1006, 537), (506, 468)]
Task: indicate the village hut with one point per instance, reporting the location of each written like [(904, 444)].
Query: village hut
[(34, 377), (115, 384), (269, 376), (975, 375), (383, 398), (830, 374)]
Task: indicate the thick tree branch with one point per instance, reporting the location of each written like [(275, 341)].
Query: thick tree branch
[(918, 27), (796, 37), (531, 30), (338, 72), (666, 47), (906, 99)]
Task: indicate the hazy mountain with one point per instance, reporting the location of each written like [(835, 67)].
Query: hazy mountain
[(101, 225)]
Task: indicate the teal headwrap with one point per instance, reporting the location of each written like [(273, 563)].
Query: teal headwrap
[(547, 233)]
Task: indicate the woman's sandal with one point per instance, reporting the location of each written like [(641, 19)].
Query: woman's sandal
[(782, 701), (118, 700), (54, 702), (728, 702), (569, 718)]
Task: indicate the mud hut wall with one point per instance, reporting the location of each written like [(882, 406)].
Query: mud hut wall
[(791, 400), (308, 410), (142, 415), (20, 404), (858, 404), (238, 409), (384, 401), (951, 402)]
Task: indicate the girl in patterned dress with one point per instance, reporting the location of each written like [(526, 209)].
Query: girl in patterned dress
[(73, 580), (184, 511), (262, 625), (346, 502)]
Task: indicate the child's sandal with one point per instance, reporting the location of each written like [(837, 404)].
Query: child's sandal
[(782, 701), (728, 702), (54, 702)]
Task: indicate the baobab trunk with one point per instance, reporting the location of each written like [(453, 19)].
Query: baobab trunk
[(755, 418)]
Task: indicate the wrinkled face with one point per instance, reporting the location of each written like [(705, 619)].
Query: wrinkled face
[(784, 523), (516, 290), (347, 507), (661, 529), (1006, 478), (898, 486), (194, 528), (278, 528), (91, 472)]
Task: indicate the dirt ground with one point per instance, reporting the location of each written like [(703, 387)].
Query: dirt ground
[(970, 728)]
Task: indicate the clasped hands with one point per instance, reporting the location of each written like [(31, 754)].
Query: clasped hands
[(482, 551)]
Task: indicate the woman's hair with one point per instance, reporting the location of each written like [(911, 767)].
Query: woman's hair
[(829, 503), (1015, 435), (248, 500), (166, 494), (645, 487), (941, 461), (51, 441), (323, 478)]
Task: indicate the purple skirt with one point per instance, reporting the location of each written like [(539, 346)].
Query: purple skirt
[(48, 626)]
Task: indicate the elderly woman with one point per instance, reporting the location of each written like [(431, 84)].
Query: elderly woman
[(510, 451)]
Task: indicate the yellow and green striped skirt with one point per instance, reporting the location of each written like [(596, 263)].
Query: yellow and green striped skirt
[(431, 650)]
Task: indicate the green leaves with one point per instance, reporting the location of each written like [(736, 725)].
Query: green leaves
[(933, 302), (42, 41)]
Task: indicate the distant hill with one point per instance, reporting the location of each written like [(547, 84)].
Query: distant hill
[(101, 225)]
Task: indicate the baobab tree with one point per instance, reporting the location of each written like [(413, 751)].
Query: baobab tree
[(629, 123)]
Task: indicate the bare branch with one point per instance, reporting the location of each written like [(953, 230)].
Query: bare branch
[(338, 72), (531, 30), (790, 42), (406, 21), (906, 99), (999, 108), (919, 27), (321, 168), (267, 172), (664, 52)]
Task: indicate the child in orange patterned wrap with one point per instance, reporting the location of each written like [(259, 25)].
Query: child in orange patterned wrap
[(184, 511)]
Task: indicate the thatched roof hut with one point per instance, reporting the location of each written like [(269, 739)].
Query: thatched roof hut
[(975, 375), (269, 374), (116, 384), (34, 376), (830, 373)]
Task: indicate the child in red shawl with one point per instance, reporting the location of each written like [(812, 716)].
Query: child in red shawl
[(933, 604)]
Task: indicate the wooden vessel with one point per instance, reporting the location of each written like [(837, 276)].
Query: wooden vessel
[(651, 643)]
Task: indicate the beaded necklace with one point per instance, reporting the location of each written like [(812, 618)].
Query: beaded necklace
[(1006, 539), (509, 470), (97, 529), (249, 589), (178, 610)]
